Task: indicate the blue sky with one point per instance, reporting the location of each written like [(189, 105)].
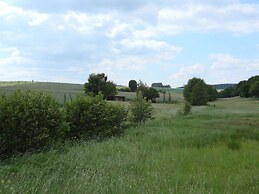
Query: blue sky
[(153, 41)]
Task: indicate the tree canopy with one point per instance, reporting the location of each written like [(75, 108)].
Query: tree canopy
[(98, 83), (197, 92), (133, 85), (254, 89), (149, 93)]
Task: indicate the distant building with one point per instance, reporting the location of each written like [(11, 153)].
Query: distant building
[(160, 85), (116, 98)]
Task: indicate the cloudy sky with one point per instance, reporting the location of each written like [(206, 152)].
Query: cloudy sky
[(167, 41)]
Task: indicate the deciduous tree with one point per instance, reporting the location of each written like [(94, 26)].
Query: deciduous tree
[(99, 83)]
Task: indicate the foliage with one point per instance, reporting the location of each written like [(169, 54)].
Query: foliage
[(99, 83), (91, 116), (229, 92), (140, 110), (142, 87), (141, 161), (212, 93), (185, 110), (133, 85), (196, 92), (254, 89), (29, 121), (151, 94), (244, 87)]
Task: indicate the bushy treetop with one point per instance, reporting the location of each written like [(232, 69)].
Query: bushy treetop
[(99, 83)]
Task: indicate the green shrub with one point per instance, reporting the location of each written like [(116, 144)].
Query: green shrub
[(29, 121), (140, 110), (94, 117), (185, 110)]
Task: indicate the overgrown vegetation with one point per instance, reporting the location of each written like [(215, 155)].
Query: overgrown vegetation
[(29, 121), (33, 121), (93, 117), (246, 88), (140, 110), (213, 150), (185, 110)]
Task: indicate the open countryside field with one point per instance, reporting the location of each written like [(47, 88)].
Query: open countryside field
[(60, 91), (212, 150)]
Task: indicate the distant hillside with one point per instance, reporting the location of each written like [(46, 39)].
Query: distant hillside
[(60, 91), (219, 86), (222, 86)]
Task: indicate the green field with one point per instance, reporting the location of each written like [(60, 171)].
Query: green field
[(60, 91), (213, 150), (57, 90)]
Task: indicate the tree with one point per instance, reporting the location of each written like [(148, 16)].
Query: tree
[(142, 87), (254, 90), (133, 85), (212, 93), (99, 83), (243, 89), (196, 92), (151, 94)]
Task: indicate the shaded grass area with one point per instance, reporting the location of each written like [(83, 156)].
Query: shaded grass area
[(169, 154)]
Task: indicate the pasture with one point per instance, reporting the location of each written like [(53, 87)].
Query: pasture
[(212, 150), (66, 91)]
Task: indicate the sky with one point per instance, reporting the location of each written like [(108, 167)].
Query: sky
[(168, 41)]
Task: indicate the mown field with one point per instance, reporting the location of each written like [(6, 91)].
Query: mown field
[(212, 150)]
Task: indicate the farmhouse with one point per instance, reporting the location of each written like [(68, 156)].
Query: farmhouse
[(116, 98)]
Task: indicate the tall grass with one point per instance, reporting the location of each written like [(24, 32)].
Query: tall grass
[(169, 154)]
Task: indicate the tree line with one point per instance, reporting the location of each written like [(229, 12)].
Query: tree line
[(99, 83), (246, 88)]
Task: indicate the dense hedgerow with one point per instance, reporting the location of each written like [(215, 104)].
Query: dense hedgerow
[(29, 121), (90, 116)]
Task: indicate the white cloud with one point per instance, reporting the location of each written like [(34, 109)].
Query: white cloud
[(14, 66), (224, 68), (236, 18), (185, 73), (13, 58), (115, 36), (227, 67), (131, 63), (38, 19)]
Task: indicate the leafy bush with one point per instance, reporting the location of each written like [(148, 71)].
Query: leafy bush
[(90, 116), (29, 121), (140, 110), (186, 109)]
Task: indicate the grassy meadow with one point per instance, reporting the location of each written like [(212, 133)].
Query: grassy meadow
[(212, 150), (65, 91), (60, 91)]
